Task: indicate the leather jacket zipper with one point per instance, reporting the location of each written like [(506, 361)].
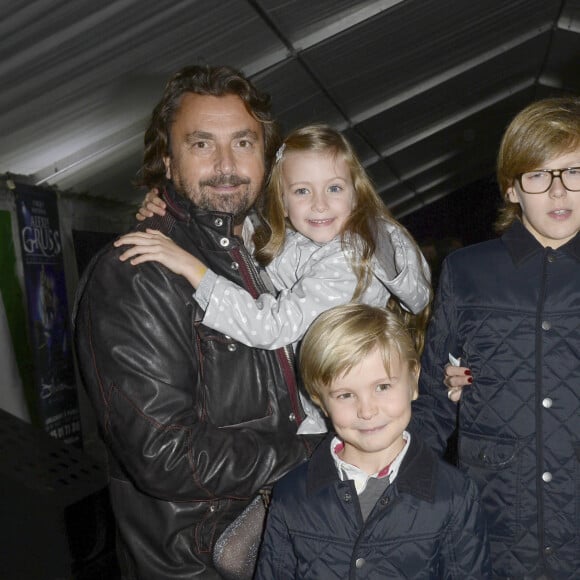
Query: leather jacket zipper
[(256, 286)]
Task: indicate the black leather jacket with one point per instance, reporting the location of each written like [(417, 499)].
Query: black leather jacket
[(195, 422)]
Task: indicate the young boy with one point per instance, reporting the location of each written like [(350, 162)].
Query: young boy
[(373, 501)]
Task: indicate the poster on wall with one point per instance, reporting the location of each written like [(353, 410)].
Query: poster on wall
[(48, 318)]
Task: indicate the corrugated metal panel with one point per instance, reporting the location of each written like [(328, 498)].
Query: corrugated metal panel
[(423, 88)]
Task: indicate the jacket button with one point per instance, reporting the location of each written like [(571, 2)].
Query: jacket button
[(547, 476), (551, 258), (360, 562), (347, 497), (292, 417), (235, 266), (218, 222), (546, 325), (548, 550), (232, 347), (547, 403), (224, 242)]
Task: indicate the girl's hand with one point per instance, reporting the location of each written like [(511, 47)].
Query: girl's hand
[(151, 205), (455, 379), (153, 246)]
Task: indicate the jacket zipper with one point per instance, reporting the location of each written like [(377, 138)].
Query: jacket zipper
[(255, 285)]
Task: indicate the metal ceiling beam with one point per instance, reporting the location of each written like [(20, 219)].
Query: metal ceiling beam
[(448, 75), (460, 116), (61, 168), (336, 24), (73, 30), (569, 20), (343, 21)]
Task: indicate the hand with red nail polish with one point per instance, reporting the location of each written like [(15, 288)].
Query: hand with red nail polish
[(456, 378)]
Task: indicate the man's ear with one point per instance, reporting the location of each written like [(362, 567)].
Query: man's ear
[(167, 163)]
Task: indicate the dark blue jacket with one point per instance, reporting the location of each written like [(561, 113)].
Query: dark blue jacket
[(510, 309), (427, 524)]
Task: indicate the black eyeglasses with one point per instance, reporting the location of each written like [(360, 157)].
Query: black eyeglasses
[(541, 180)]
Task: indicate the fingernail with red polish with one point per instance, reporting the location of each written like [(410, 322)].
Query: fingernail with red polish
[(468, 372), (470, 380)]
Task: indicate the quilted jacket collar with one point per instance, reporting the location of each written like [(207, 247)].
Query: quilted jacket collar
[(521, 244), (417, 474)]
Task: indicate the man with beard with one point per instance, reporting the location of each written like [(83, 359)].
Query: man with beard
[(195, 423)]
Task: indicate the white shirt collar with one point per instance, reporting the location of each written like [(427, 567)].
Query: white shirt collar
[(360, 478)]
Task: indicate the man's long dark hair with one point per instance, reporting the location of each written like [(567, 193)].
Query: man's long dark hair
[(216, 81)]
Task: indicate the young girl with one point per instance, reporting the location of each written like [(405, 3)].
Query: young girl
[(331, 240)]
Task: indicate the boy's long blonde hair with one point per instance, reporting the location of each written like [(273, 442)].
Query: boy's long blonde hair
[(543, 130), (361, 229), (340, 338)]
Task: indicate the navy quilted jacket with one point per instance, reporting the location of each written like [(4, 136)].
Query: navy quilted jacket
[(428, 524), (511, 310)]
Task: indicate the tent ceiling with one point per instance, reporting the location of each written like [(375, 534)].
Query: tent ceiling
[(423, 88)]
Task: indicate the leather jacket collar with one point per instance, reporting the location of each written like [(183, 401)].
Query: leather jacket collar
[(183, 210)]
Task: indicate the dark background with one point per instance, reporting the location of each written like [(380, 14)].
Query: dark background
[(467, 214), (462, 218)]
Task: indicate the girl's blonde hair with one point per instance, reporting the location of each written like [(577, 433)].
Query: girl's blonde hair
[(340, 338), (543, 130), (361, 229)]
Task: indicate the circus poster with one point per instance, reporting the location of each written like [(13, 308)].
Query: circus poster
[(48, 317)]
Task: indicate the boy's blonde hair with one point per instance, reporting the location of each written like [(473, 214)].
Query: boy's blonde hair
[(543, 130), (361, 229), (340, 338)]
